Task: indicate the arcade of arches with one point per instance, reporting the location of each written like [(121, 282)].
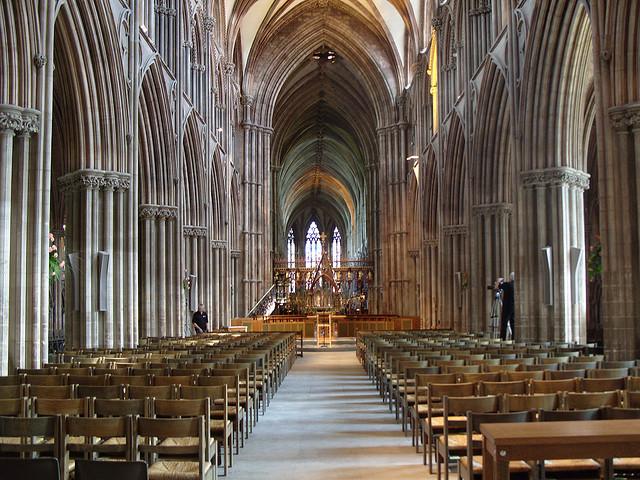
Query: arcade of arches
[(157, 154)]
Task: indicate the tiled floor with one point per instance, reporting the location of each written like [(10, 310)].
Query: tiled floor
[(328, 422)]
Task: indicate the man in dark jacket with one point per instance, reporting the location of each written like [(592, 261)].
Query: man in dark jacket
[(508, 308), (200, 320)]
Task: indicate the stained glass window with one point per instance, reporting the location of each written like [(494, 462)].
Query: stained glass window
[(313, 247), (336, 248)]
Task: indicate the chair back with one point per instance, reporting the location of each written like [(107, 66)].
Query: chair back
[(163, 380), (8, 380), (95, 470), (618, 413), (602, 384), (37, 434), (138, 380), (569, 416), (43, 407), (104, 407), (46, 391), (156, 391), (520, 387), (538, 401), (46, 468), (554, 386), (103, 391), (584, 401), (564, 374), (46, 380), (13, 407), (530, 375), (102, 427), (11, 391)]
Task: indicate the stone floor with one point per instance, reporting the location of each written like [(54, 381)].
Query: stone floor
[(328, 422)]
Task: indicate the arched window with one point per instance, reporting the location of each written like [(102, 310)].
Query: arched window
[(291, 249), (336, 248), (313, 247)]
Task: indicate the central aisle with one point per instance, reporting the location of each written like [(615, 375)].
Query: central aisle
[(328, 422)]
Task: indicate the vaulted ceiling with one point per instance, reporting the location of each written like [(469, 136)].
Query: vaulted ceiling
[(324, 114)]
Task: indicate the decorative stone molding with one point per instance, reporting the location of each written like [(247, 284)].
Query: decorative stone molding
[(453, 230), (90, 179), (235, 253), (20, 120), (414, 253), (209, 23), (491, 209), (228, 68), (194, 231), (625, 116), (436, 23), (39, 60), (482, 9), (247, 100), (197, 67), (431, 242), (218, 244), (555, 176), (158, 211)]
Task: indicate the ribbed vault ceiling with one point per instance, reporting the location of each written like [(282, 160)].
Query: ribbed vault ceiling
[(324, 115)]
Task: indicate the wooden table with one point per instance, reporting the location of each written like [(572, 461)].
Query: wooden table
[(604, 439)]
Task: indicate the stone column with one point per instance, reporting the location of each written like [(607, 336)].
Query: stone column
[(551, 217), (619, 297), (490, 257)]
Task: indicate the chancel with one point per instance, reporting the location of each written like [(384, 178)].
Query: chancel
[(319, 239)]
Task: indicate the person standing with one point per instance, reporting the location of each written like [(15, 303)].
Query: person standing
[(508, 308), (200, 320)]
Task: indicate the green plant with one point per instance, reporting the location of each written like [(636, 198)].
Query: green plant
[(594, 262), (56, 266)]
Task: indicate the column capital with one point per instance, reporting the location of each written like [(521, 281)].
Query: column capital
[(626, 116), (491, 209), (218, 244), (90, 179), (555, 176), (194, 231), (453, 230), (19, 120), (165, 212)]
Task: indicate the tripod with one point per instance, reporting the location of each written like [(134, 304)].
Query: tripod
[(494, 317)]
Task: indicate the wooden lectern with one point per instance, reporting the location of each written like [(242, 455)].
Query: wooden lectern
[(324, 330)]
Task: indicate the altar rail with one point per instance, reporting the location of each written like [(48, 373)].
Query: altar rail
[(345, 325)]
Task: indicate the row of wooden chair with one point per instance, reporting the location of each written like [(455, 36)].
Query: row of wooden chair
[(177, 447)]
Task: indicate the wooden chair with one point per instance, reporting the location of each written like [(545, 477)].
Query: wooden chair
[(406, 392), (608, 364), (44, 407), (166, 392), (9, 380), (46, 380), (35, 436), (79, 435), (93, 380), (625, 467), (554, 386), (417, 403), (46, 391), (84, 371), (608, 373), (583, 468), (184, 409), (602, 384), (37, 468), (585, 365), (455, 409), (519, 387), (96, 470), (219, 423), (12, 391), (470, 466), (501, 368), (162, 462), (244, 397), (107, 407), (564, 374), (235, 410), (163, 380), (111, 371), (513, 376), (584, 401), (536, 401), (435, 422), (460, 369), (137, 380), (631, 399), (35, 372), (102, 391), (542, 367), (633, 384)]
